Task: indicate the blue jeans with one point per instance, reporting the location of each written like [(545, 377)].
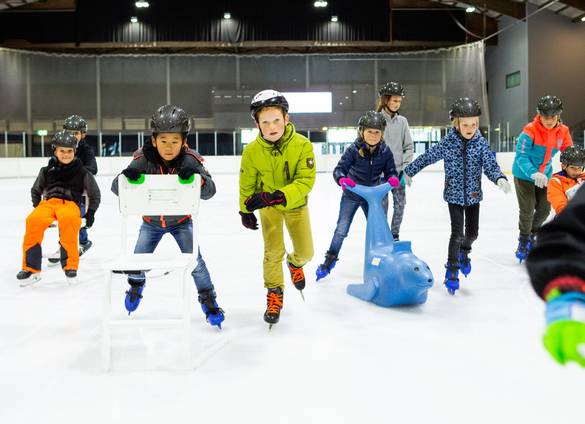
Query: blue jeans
[(149, 237), (349, 205), (82, 231)]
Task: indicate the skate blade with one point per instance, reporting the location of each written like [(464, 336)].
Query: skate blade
[(302, 295), (30, 281), (270, 327), (72, 281)]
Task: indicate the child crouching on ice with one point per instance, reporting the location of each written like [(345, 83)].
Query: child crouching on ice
[(56, 194)]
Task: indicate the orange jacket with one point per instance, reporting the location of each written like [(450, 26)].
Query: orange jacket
[(561, 189)]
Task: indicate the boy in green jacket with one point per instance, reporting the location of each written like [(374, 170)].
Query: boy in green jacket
[(277, 173)]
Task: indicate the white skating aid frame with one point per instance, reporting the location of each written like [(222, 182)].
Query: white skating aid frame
[(157, 195)]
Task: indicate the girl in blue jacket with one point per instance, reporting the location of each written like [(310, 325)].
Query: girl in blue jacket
[(364, 162), (465, 153)]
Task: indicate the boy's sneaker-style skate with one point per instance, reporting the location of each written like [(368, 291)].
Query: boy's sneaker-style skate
[(274, 303)]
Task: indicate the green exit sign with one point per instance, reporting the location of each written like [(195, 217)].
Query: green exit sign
[(43, 133), (513, 79)]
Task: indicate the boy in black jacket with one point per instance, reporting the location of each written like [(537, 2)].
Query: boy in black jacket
[(168, 153), (78, 126), (56, 194)]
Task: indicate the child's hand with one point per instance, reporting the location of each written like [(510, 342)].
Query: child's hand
[(503, 185), (186, 172), (565, 335), (89, 218), (132, 174), (346, 182), (249, 220), (393, 181), (405, 180), (540, 180), (264, 199)]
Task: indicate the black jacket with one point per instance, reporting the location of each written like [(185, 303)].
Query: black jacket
[(87, 156), (67, 182), (560, 251), (148, 161), (365, 168)]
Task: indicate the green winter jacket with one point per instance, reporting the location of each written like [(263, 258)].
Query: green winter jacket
[(287, 165)]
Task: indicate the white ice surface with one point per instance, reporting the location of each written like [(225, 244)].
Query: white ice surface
[(476, 357)]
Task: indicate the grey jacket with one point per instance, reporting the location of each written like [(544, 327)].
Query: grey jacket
[(397, 137), (147, 161)]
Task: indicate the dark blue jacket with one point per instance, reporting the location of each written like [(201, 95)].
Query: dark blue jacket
[(464, 162), (364, 168)]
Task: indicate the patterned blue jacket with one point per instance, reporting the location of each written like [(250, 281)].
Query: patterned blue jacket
[(464, 162)]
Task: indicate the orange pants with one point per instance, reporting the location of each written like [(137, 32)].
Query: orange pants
[(68, 218)]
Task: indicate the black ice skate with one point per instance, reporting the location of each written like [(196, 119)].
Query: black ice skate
[(274, 301)]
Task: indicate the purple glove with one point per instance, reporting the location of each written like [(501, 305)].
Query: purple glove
[(393, 181), (346, 182)]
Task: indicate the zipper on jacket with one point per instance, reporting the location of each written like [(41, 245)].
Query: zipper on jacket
[(465, 172), (286, 171)]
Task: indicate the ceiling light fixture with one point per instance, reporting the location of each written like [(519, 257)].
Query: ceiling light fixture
[(334, 19), (470, 9), (320, 4), (227, 15), (142, 4), (134, 19)]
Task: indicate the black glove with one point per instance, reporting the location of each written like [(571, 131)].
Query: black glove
[(132, 174), (186, 172), (89, 218), (249, 220), (264, 199)]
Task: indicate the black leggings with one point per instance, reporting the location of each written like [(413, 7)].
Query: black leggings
[(460, 240)]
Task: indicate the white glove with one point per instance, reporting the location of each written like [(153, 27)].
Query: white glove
[(540, 180), (503, 185)]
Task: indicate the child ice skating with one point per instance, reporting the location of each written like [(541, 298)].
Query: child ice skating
[(56, 194), (563, 185), (277, 174), (369, 162), (168, 153), (466, 153)]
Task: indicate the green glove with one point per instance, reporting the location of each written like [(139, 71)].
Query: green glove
[(565, 335)]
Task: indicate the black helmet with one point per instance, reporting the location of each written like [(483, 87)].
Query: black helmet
[(372, 119), (75, 123), (392, 89), (549, 106), (171, 119), (464, 107), (267, 98), (64, 138), (573, 155)]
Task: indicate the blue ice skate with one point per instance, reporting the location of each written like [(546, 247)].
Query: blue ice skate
[(325, 268), (213, 313), (464, 263), (452, 277), (393, 275), (133, 297)]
